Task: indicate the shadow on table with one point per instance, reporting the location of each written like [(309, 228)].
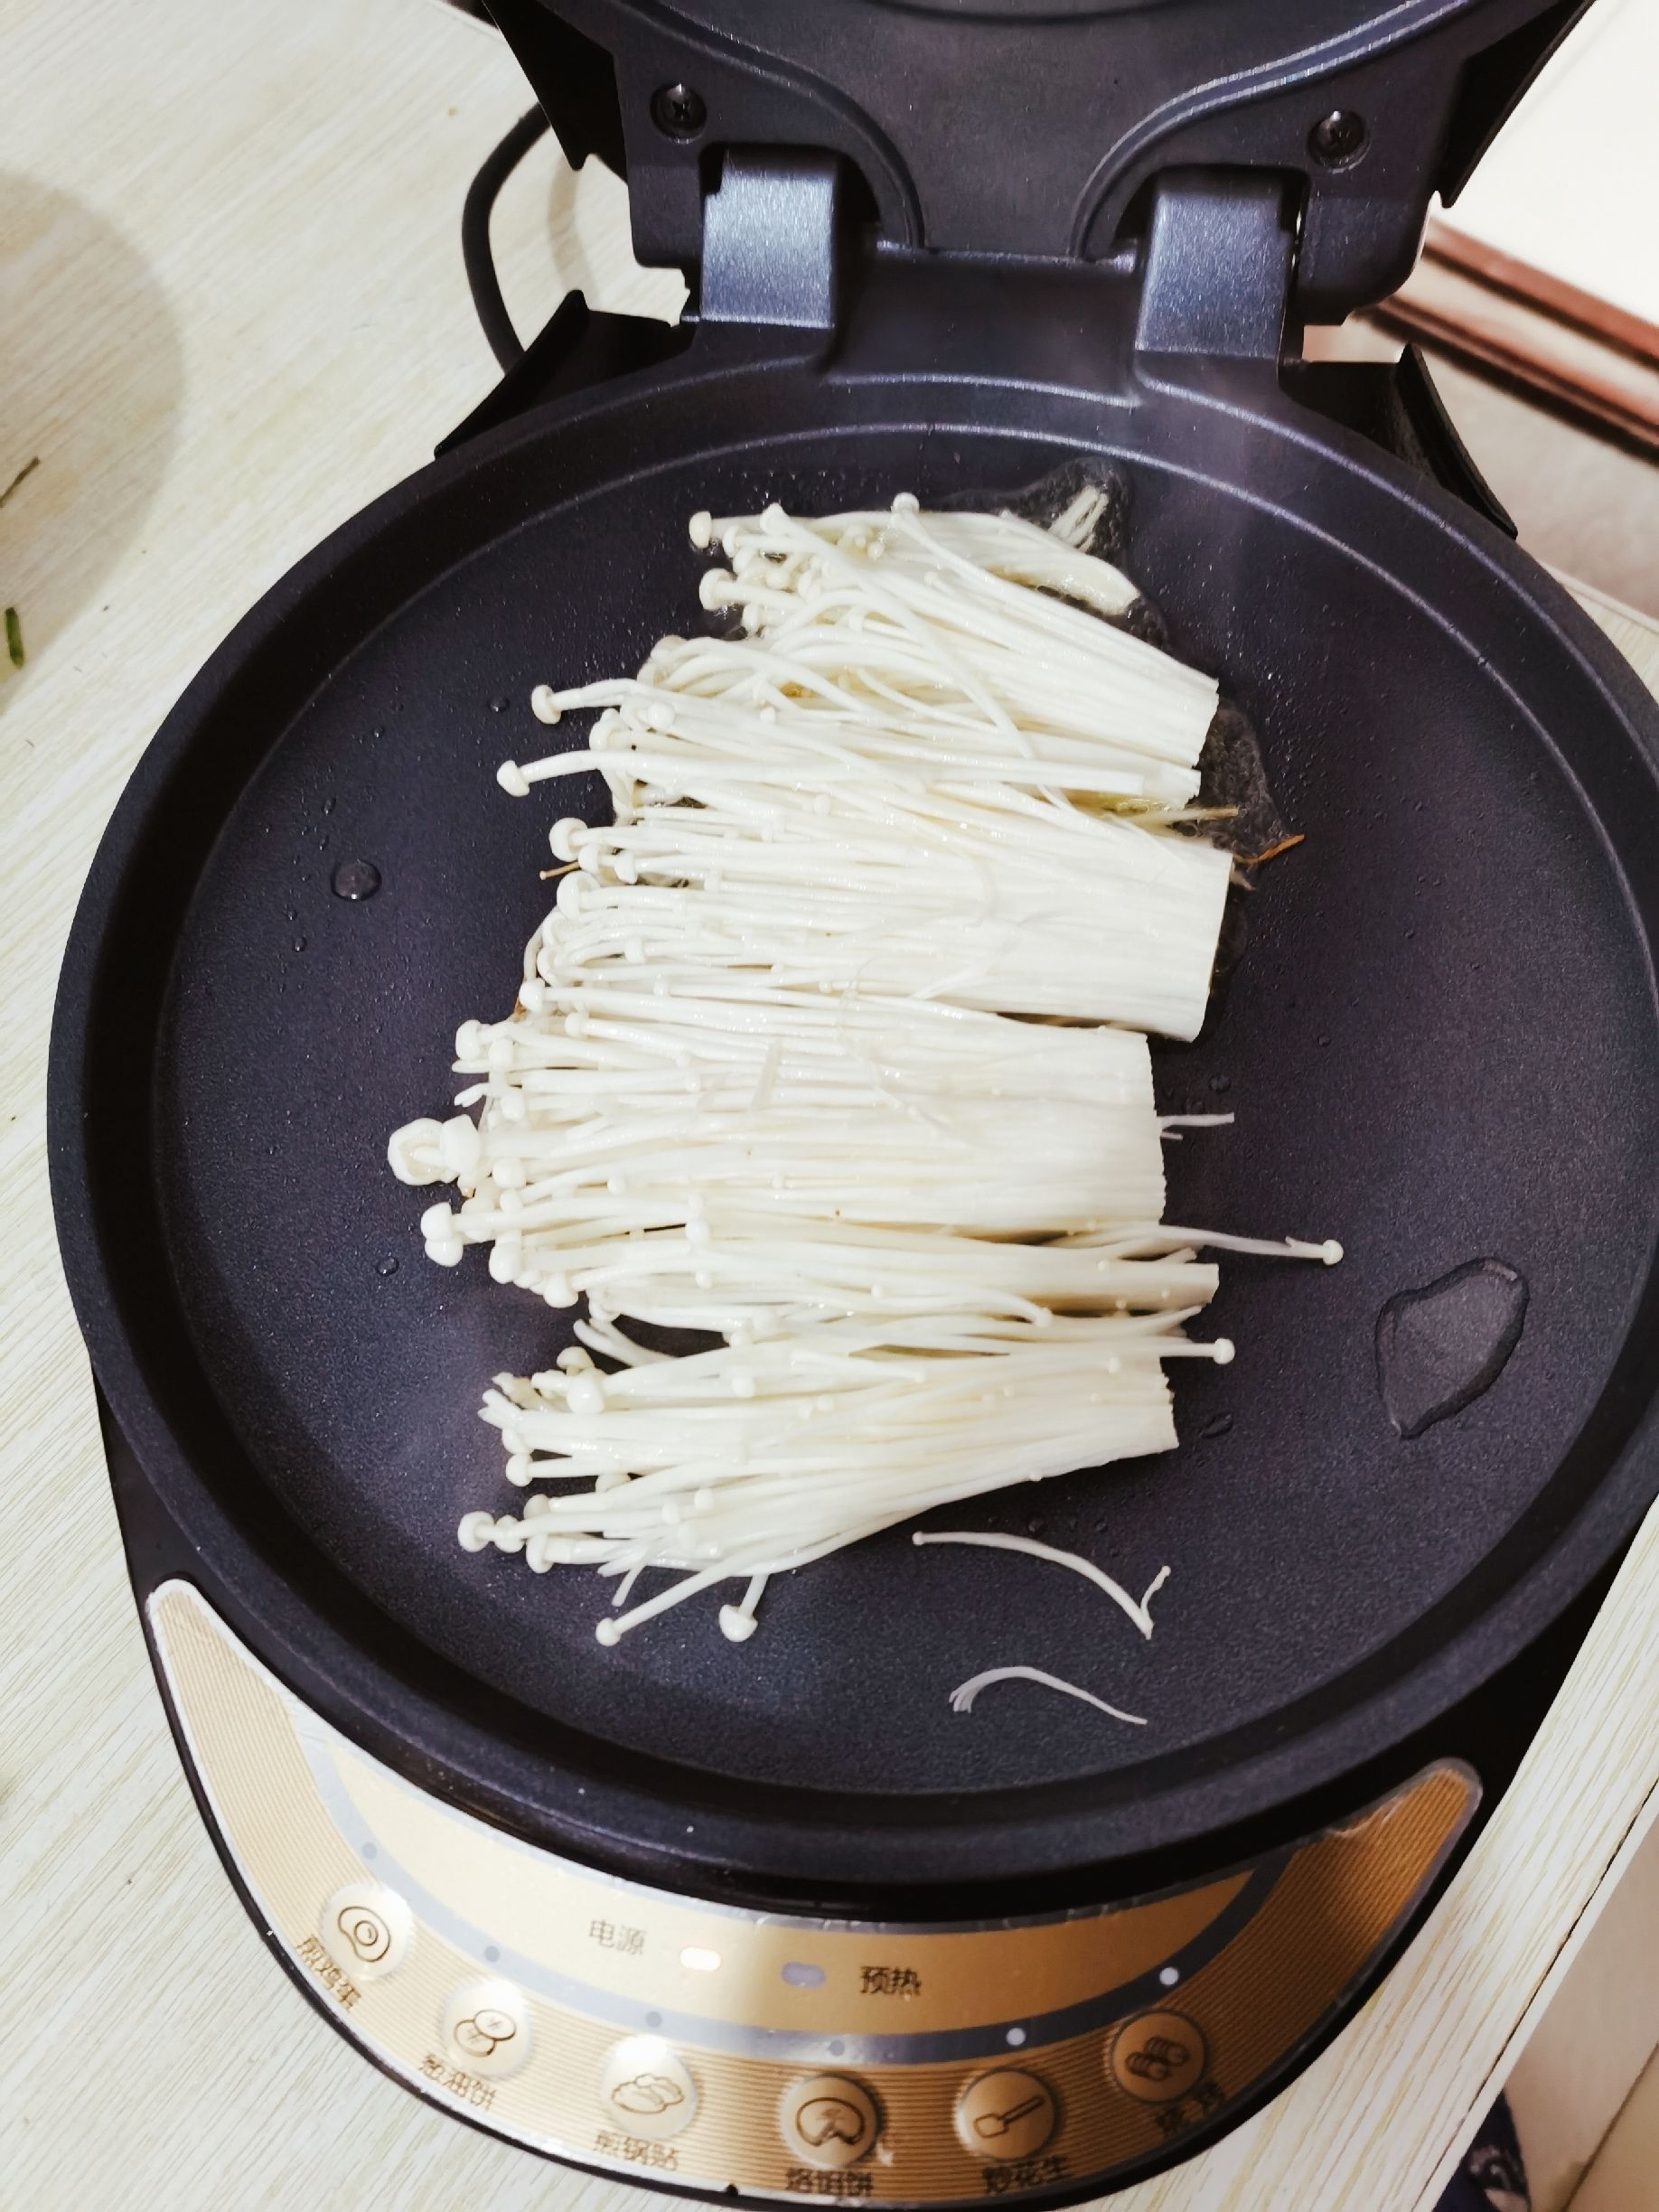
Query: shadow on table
[(90, 382)]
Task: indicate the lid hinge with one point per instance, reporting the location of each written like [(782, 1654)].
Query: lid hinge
[(770, 239), (1217, 265)]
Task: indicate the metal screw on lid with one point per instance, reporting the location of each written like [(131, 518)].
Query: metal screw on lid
[(1338, 139), (677, 111)]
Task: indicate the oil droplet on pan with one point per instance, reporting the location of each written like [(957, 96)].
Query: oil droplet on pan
[(1439, 1347)]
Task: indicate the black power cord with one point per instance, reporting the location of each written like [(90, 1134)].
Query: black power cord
[(481, 198)]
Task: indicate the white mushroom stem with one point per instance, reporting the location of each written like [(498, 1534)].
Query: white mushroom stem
[(1137, 1609), (962, 1697)]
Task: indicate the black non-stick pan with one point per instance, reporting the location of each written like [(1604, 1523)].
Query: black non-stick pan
[(1441, 1041)]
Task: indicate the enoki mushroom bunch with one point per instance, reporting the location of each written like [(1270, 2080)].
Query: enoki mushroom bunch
[(909, 776), (765, 1079)]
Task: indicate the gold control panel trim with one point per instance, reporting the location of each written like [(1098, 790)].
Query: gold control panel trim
[(658, 2036), (767, 1986)]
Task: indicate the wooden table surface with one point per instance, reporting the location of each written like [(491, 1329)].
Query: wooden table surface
[(234, 311)]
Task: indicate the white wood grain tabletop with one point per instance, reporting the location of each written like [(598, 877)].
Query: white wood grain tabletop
[(232, 312), (1567, 188)]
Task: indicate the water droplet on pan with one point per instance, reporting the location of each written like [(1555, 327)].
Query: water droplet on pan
[(387, 1266), (356, 880), (1217, 1425), (1440, 1347)]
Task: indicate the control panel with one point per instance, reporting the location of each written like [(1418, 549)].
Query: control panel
[(667, 2038)]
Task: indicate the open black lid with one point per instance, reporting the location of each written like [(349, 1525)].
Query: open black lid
[(1034, 127)]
